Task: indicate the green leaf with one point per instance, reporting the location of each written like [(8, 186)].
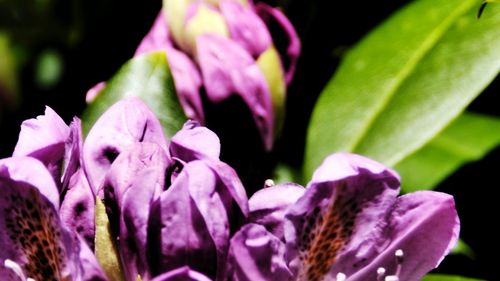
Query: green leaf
[(468, 138), (442, 277), (403, 83), (463, 249), (8, 72), (105, 248), (147, 77)]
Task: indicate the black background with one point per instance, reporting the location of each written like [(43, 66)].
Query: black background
[(109, 31)]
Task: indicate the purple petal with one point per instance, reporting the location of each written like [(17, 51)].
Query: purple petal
[(127, 122), (246, 27), (344, 203), (257, 255), (91, 269), (228, 69), (182, 274), (178, 233), (78, 208), (32, 171), (424, 225), (94, 92), (29, 221), (43, 138), (72, 152), (135, 179), (195, 142), (269, 205), (273, 16), (157, 38)]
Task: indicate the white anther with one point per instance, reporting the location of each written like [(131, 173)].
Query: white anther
[(12, 265), (341, 277), (391, 278), (380, 274), (268, 183), (399, 253)]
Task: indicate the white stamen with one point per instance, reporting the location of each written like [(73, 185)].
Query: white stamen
[(380, 274), (341, 277), (399, 253), (391, 278), (399, 261), (268, 183), (30, 279), (12, 265)]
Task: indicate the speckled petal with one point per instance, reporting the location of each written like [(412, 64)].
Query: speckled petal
[(424, 225), (269, 205), (32, 235), (257, 255), (337, 216), (246, 27), (290, 56), (44, 138), (134, 181), (127, 122), (182, 274), (228, 69), (32, 171), (195, 142)]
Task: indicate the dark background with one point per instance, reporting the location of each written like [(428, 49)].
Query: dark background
[(93, 38)]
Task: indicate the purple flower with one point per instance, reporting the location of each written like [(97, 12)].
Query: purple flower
[(169, 205), (226, 48), (35, 244), (349, 223)]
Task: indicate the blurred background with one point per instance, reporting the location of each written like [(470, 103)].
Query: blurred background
[(52, 52)]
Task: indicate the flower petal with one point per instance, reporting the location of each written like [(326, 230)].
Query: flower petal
[(269, 205), (182, 274), (347, 198), (91, 270), (194, 142), (424, 225), (228, 69), (32, 171), (127, 122), (50, 133), (32, 236), (245, 27), (274, 17), (257, 255), (157, 38)]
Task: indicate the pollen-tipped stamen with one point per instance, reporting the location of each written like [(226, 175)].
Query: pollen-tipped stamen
[(399, 261), (340, 277), (268, 183), (380, 274)]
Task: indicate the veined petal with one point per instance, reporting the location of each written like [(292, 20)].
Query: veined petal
[(269, 205), (182, 274), (257, 255), (32, 236), (127, 122), (291, 51), (228, 69), (344, 203), (195, 142), (32, 171), (44, 138), (424, 225), (245, 27)]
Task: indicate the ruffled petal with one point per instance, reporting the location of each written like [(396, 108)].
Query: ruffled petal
[(194, 142), (345, 201), (32, 171), (269, 205), (44, 138), (127, 122), (246, 27), (228, 69), (424, 225), (291, 52), (182, 274), (257, 255)]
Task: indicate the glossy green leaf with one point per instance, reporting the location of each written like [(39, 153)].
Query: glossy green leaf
[(467, 139), (405, 81), (442, 277), (149, 78)]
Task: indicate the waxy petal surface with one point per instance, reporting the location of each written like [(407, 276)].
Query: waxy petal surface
[(194, 142)]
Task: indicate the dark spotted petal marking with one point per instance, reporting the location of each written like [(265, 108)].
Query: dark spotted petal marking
[(346, 199), (30, 232)]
